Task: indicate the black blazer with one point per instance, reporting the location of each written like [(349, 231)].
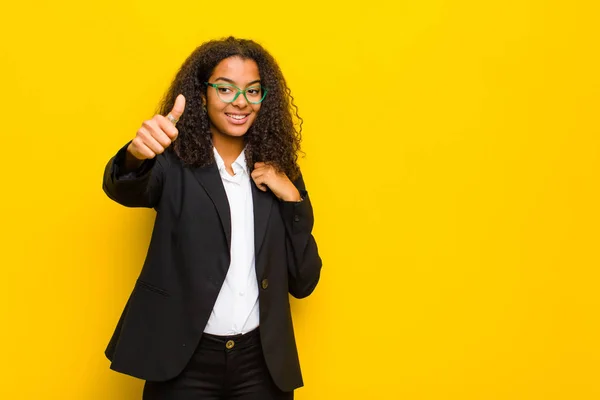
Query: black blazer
[(188, 259)]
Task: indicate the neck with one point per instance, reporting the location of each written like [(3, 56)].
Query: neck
[(229, 148)]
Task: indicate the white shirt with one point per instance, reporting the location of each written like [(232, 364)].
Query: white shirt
[(236, 309)]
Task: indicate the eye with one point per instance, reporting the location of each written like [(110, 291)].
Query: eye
[(224, 89), (253, 91)]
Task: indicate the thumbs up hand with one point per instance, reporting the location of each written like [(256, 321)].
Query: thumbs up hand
[(156, 134)]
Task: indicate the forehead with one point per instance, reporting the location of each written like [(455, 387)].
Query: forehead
[(239, 70)]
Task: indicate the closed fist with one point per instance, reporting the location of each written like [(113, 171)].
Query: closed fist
[(156, 134), (265, 176)]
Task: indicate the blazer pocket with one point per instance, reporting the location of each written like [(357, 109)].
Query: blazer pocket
[(152, 288)]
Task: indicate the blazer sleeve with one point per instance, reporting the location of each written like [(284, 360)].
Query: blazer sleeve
[(304, 262), (140, 188)]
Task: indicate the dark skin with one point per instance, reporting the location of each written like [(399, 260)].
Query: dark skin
[(229, 122)]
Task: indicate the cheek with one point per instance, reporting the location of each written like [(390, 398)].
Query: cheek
[(213, 103), (256, 110), (214, 109), (216, 117), (253, 117)]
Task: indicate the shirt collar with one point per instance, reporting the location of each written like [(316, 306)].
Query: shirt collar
[(238, 164)]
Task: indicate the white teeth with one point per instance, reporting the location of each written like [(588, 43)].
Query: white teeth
[(235, 116)]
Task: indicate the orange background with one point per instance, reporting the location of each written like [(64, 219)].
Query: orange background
[(452, 160)]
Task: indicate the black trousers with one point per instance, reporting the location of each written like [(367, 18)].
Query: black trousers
[(222, 368)]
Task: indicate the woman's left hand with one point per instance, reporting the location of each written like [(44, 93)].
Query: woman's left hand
[(266, 176)]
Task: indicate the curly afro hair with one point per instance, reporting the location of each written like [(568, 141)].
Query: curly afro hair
[(273, 137)]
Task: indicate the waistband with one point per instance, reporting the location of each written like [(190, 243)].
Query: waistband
[(240, 341)]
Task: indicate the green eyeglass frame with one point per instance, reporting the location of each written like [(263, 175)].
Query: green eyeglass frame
[(238, 91)]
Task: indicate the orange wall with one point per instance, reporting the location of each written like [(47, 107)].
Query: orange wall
[(452, 159)]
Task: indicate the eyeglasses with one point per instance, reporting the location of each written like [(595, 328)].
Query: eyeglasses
[(228, 92)]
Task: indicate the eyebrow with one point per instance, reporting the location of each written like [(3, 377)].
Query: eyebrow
[(233, 83)]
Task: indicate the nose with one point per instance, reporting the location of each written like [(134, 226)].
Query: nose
[(240, 102)]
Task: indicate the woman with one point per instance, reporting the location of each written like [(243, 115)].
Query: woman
[(209, 316)]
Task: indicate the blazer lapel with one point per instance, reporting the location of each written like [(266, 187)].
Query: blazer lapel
[(210, 179), (262, 207)]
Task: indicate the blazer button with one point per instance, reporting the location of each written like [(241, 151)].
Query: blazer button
[(296, 218), (265, 283)]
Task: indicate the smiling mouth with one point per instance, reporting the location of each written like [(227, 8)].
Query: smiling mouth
[(237, 118)]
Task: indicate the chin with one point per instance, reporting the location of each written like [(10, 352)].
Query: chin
[(236, 132), (230, 131)]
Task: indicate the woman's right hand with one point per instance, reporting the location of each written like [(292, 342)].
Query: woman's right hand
[(156, 134)]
